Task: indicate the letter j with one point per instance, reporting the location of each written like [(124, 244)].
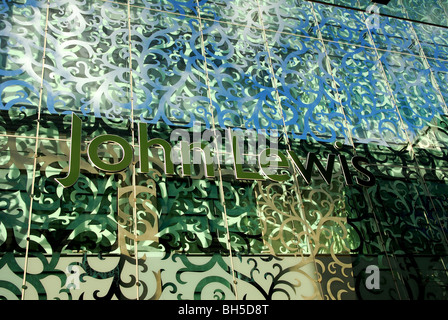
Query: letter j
[(75, 154)]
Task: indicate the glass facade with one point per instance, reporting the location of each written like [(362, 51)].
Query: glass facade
[(135, 139)]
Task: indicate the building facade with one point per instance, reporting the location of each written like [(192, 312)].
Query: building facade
[(197, 149)]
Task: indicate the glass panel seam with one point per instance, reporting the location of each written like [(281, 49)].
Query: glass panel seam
[(220, 177), (36, 146), (133, 199)]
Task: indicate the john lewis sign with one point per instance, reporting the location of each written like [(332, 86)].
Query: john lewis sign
[(270, 160)]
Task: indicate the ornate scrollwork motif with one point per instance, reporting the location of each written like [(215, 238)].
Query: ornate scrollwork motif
[(320, 76)]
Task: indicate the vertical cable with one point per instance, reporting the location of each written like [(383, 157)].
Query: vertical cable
[(217, 153), (36, 147), (132, 126)]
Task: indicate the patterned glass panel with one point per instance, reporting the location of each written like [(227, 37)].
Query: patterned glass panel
[(162, 116)]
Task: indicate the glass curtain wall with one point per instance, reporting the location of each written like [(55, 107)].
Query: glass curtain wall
[(352, 95)]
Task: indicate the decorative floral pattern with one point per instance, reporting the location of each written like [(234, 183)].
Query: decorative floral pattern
[(312, 71)]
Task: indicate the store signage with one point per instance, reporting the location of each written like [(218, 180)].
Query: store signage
[(270, 160)]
